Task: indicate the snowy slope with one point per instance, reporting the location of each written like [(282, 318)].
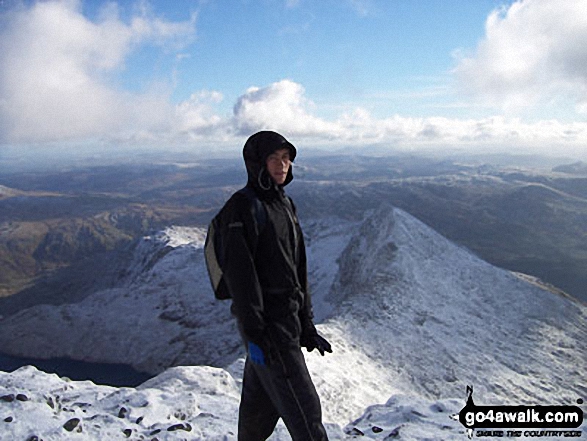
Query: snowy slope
[(410, 315), (162, 314), (183, 403), (188, 403), (438, 318)]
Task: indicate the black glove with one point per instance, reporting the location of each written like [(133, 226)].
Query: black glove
[(318, 342)]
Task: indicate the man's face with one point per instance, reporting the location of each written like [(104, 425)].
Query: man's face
[(278, 164)]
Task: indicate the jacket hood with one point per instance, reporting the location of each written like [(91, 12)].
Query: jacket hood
[(255, 152)]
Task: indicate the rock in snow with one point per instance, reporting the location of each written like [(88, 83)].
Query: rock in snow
[(410, 316)]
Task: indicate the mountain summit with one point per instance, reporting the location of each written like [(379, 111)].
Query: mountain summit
[(439, 318)]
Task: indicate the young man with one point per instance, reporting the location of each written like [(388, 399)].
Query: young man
[(265, 270)]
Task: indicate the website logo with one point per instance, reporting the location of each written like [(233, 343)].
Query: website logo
[(519, 421)]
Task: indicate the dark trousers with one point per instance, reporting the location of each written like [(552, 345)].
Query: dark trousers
[(281, 388)]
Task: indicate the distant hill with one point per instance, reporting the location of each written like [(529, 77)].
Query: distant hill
[(576, 168), (50, 246)]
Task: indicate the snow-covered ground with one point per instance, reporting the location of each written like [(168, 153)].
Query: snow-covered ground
[(183, 403), (413, 319)]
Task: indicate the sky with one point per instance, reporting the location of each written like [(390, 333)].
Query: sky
[(203, 75)]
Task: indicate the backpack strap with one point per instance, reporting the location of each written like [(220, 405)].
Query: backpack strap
[(257, 206)]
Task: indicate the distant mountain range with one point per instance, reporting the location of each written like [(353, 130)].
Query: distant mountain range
[(525, 220), (57, 227)]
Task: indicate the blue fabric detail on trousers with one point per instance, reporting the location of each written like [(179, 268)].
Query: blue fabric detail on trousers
[(282, 388)]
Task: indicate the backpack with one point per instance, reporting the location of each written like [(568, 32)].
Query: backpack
[(214, 248)]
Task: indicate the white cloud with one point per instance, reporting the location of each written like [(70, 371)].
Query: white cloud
[(492, 133), (55, 86), (54, 68), (196, 117), (533, 53), (281, 106)]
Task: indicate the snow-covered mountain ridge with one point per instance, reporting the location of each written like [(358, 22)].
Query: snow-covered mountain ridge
[(461, 317), (409, 314), (161, 314)]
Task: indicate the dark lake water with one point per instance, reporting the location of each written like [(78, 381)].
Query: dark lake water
[(100, 373)]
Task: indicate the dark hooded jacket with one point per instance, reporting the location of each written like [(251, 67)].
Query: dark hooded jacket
[(265, 265)]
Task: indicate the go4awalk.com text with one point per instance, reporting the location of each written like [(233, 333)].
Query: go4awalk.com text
[(520, 421), (528, 433)]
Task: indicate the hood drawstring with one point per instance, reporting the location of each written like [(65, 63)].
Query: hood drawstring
[(262, 174)]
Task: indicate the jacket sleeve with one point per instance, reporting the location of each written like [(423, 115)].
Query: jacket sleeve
[(239, 269), (306, 313)]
